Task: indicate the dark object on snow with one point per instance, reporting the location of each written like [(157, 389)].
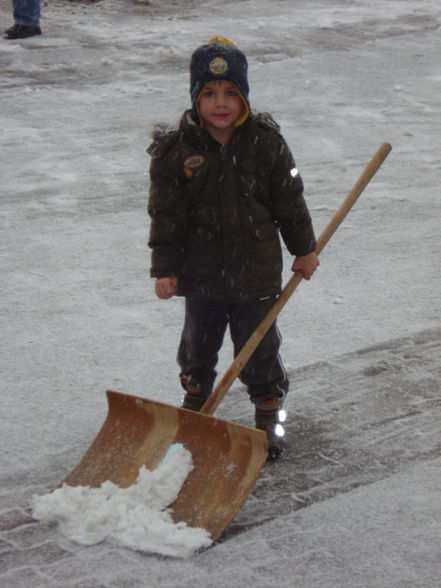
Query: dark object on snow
[(19, 31)]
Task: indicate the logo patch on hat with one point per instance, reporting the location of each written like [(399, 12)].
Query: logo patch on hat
[(192, 163), (218, 66)]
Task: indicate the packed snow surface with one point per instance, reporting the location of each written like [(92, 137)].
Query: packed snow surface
[(136, 517)]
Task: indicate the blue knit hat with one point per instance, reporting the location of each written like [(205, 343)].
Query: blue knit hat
[(220, 59)]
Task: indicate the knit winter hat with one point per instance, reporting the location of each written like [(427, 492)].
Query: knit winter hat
[(220, 59)]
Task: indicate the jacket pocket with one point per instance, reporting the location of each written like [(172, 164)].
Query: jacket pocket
[(262, 232), (263, 251), (200, 252)]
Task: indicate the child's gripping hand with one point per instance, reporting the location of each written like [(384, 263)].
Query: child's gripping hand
[(166, 287), (306, 264)]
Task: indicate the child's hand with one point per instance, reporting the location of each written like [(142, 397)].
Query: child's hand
[(166, 287), (307, 264)]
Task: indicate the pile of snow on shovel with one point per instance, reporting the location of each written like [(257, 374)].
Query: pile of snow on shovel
[(136, 517)]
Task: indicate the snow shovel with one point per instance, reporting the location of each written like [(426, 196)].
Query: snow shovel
[(227, 457)]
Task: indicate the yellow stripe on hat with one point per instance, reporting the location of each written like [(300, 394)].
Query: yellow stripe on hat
[(221, 41), (245, 112)]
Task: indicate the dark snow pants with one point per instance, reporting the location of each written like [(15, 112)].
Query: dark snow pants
[(202, 337)]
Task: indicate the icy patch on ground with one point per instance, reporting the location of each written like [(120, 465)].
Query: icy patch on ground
[(136, 517)]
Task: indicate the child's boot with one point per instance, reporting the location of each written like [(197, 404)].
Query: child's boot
[(194, 398), (269, 416)]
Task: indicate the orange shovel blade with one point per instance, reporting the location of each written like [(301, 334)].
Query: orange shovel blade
[(227, 457)]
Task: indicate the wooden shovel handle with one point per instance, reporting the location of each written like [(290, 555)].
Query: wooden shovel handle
[(248, 349)]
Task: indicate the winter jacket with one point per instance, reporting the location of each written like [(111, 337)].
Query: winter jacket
[(217, 211)]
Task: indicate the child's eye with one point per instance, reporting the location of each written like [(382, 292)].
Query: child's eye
[(208, 93), (232, 92)]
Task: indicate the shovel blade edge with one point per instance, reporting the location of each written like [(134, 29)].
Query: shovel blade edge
[(227, 457)]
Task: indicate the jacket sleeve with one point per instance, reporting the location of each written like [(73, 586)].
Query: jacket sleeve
[(167, 208), (288, 204)]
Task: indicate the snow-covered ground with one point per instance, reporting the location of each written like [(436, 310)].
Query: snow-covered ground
[(79, 315)]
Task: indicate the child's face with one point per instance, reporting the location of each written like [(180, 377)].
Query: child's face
[(220, 105)]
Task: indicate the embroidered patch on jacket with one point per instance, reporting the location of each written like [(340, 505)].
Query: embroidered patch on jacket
[(192, 163), (218, 66)]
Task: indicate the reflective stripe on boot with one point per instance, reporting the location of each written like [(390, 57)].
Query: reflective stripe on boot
[(269, 416), (194, 398)]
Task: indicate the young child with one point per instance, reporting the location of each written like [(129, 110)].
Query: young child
[(223, 186)]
